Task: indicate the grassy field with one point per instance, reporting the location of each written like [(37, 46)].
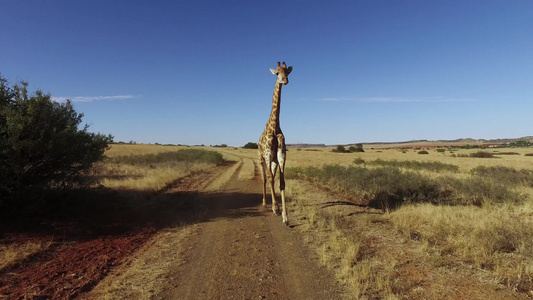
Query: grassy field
[(129, 177), (151, 167), (445, 210), (391, 224)]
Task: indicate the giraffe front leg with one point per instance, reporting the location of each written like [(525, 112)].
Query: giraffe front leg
[(272, 173), (282, 187), (263, 173)]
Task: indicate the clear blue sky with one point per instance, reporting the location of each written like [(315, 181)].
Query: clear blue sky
[(197, 72)]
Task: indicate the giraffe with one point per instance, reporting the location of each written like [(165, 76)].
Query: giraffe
[(272, 151)]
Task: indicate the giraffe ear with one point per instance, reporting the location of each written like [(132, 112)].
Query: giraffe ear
[(275, 72), (289, 70)]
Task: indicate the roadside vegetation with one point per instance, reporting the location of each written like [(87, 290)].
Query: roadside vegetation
[(435, 166), (128, 201), (152, 171), (377, 218), (65, 190), (43, 147)]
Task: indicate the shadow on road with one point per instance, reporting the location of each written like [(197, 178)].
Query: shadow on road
[(90, 231), (93, 213)]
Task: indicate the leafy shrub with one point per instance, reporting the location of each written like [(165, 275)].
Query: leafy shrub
[(41, 144), (482, 154), (508, 153), (528, 154), (251, 145), (340, 149), (356, 148), (423, 152), (440, 150)]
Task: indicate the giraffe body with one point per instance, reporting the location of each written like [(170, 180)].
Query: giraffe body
[(272, 150)]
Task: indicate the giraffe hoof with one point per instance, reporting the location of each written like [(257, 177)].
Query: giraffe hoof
[(286, 222)]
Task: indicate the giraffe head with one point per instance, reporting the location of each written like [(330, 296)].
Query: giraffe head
[(282, 72)]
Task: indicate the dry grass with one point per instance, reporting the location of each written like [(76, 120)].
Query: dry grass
[(324, 156), (341, 244), (145, 275), (13, 254), (116, 174), (495, 239), (140, 149), (145, 178)]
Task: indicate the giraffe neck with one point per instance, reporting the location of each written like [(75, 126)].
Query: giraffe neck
[(276, 101)]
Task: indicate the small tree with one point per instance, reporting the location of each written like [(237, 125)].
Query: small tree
[(41, 144), (251, 145), (340, 149), (356, 148)]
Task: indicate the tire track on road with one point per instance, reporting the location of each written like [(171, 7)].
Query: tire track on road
[(242, 251)]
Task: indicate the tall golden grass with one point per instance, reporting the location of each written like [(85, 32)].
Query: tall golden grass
[(493, 237), (116, 174)]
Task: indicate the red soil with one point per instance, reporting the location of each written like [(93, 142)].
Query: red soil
[(68, 269)]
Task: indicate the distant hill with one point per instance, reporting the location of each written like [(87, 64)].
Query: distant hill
[(306, 145), (424, 143), (456, 142)]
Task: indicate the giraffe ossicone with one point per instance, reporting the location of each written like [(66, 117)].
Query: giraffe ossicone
[(272, 150)]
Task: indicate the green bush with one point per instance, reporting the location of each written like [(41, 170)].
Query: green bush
[(41, 144), (507, 153), (340, 149), (356, 148), (482, 154), (423, 152), (251, 145)]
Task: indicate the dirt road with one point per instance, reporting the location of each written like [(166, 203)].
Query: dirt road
[(243, 251)]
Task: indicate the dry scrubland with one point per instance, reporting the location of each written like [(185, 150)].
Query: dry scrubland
[(390, 224), (395, 224), (451, 223), (130, 182)]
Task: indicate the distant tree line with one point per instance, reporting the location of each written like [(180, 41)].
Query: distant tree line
[(351, 149)]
